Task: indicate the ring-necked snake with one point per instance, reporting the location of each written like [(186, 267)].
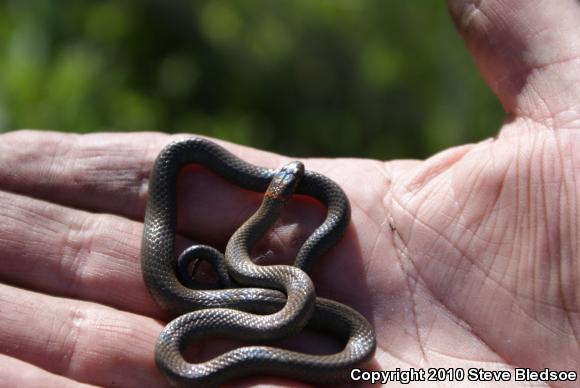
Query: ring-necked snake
[(262, 303)]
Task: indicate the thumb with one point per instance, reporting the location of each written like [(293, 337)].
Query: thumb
[(529, 53)]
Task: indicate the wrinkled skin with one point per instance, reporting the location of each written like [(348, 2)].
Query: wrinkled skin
[(470, 258)]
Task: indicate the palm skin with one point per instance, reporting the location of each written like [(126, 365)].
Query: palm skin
[(469, 259)]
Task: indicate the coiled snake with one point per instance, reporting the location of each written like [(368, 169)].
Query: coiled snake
[(262, 303)]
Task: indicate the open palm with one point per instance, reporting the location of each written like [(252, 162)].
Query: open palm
[(469, 259)]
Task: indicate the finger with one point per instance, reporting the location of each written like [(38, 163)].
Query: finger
[(99, 345), (79, 340), (72, 253), (528, 52), (99, 172), (68, 252), (17, 373)]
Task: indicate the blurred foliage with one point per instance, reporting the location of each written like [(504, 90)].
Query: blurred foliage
[(369, 78)]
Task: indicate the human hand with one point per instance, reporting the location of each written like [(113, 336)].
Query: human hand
[(466, 260)]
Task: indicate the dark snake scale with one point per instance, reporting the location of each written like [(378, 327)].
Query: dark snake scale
[(258, 303)]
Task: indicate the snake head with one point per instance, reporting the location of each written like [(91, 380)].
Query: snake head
[(285, 181)]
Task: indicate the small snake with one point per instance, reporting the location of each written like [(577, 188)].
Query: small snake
[(258, 311)]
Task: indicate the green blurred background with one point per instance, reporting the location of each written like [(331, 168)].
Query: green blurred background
[(365, 78)]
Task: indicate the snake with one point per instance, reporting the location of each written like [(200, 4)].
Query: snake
[(253, 303)]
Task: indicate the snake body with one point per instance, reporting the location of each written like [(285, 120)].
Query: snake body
[(275, 301)]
